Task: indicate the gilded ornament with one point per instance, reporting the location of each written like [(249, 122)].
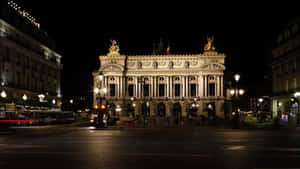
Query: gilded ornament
[(209, 46), (114, 49)]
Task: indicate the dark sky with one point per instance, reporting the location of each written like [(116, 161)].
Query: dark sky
[(82, 30)]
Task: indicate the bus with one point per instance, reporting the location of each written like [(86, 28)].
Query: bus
[(48, 117)]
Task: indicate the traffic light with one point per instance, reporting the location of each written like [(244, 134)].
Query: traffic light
[(103, 106), (96, 107)]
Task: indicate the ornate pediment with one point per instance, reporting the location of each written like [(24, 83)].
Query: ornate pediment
[(112, 68)]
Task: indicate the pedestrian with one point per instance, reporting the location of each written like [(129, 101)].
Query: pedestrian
[(105, 120), (190, 119)]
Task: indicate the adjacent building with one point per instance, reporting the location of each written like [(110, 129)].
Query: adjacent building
[(30, 68), (286, 70), (161, 86)]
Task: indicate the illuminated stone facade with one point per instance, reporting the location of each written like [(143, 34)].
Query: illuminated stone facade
[(285, 68), (162, 85), (27, 64)]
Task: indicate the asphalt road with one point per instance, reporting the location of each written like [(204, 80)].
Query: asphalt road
[(70, 147)]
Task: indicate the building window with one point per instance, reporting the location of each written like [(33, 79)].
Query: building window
[(161, 79), (287, 85), (193, 89), (130, 90), (177, 90), (211, 89), (112, 90), (146, 90), (161, 90)]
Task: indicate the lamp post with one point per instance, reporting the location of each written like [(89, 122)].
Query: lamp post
[(142, 81), (235, 94), (260, 100), (24, 97), (3, 94), (100, 93)]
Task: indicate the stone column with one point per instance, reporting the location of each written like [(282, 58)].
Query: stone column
[(168, 109), (141, 88), (216, 85), (219, 87), (151, 86), (183, 86), (121, 94), (199, 112), (171, 86), (205, 85), (104, 84), (136, 86), (118, 86), (168, 86), (222, 88), (187, 93), (183, 109), (153, 109), (200, 86), (155, 85)]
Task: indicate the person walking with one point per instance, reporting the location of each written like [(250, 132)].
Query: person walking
[(190, 119)]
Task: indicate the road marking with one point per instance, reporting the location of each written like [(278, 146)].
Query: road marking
[(167, 155), (236, 148), (256, 148)]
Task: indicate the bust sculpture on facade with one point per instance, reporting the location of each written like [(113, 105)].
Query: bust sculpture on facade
[(114, 49), (155, 65), (209, 46), (171, 64)]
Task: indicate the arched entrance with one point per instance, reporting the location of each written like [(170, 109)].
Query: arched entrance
[(161, 110), (130, 110), (177, 112), (193, 110), (211, 111)]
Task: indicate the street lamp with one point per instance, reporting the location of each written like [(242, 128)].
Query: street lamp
[(237, 92), (53, 101), (24, 97), (237, 77), (96, 90), (101, 77), (3, 94)]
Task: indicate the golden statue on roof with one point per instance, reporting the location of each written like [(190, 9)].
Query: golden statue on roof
[(114, 48), (209, 46)]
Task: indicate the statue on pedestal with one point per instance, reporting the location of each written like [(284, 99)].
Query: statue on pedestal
[(209, 46), (114, 49)]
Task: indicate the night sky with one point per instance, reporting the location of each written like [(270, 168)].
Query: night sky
[(83, 30)]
